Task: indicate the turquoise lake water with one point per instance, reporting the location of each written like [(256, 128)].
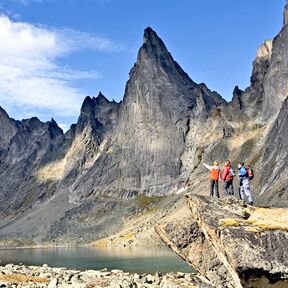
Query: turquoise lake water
[(140, 260)]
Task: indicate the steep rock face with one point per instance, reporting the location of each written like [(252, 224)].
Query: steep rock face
[(160, 102), (251, 101), (275, 85), (159, 99), (230, 244), (274, 169), (99, 113), (263, 99), (98, 117), (31, 137), (31, 142), (82, 145)]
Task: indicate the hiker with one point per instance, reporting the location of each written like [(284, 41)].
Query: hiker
[(214, 177), (227, 178), (245, 175)]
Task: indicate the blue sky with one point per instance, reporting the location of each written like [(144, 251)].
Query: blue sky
[(55, 52)]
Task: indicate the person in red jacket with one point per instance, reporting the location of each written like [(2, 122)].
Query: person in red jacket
[(227, 178), (214, 177)]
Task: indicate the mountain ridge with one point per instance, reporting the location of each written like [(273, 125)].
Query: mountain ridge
[(148, 145)]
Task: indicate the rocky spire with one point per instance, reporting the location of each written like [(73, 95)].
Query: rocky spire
[(285, 14), (53, 128), (98, 112), (237, 98), (157, 83), (153, 44), (101, 99), (154, 53)]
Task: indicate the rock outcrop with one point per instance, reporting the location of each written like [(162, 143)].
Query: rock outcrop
[(232, 245)]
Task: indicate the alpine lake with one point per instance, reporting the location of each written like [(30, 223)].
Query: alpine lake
[(134, 260)]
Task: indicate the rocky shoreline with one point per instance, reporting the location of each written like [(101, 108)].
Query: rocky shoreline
[(21, 276)]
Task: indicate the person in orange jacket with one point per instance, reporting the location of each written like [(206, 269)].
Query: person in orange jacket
[(227, 178), (214, 177)]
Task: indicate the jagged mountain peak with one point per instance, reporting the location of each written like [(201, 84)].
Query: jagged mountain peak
[(100, 95), (153, 48), (52, 121), (156, 65), (3, 114), (87, 104), (34, 125), (101, 99), (87, 115), (90, 103), (53, 128), (151, 37), (97, 112), (32, 122), (153, 56)]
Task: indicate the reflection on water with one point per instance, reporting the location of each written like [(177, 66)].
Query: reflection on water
[(138, 260)]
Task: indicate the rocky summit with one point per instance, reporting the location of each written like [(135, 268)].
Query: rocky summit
[(126, 161)]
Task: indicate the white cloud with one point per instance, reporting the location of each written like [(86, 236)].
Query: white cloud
[(31, 78), (28, 41), (83, 40)]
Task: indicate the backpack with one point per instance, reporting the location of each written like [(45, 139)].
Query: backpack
[(250, 172), (232, 172), (243, 172)]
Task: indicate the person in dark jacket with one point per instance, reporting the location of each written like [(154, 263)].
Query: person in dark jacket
[(227, 178)]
